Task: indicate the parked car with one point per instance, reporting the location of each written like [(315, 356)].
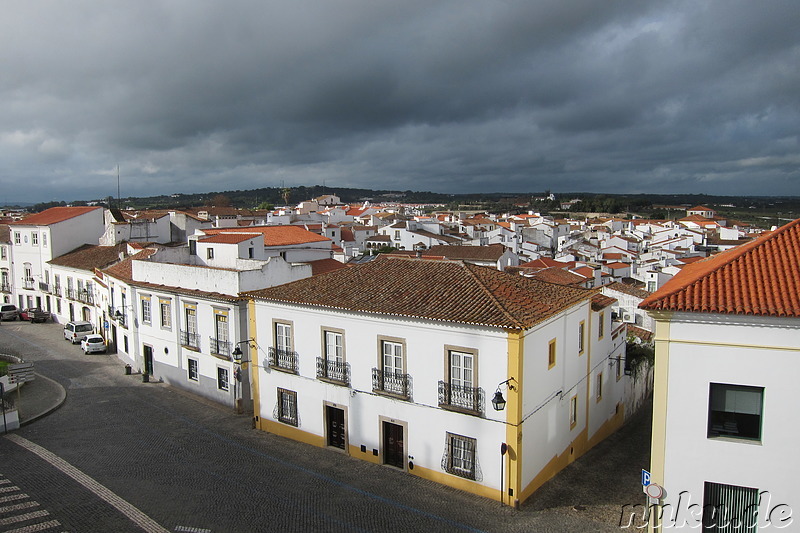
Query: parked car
[(93, 343), (34, 314), (76, 331), (8, 312)]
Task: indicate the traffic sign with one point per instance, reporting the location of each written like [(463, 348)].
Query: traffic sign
[(645, 477), (20, 373)]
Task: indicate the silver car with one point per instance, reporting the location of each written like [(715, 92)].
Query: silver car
[(93, 343)]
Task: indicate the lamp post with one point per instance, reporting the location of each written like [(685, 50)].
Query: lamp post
[(498, 402), (236, 357)]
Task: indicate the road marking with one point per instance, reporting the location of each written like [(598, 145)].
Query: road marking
[(13, 498), (187, 529), (12, 488), (134, 514), (22, 517), (18, 506), (36, 527)]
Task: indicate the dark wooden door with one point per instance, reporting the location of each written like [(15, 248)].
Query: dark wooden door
[(336, 429), (148, 359), (393, 449)]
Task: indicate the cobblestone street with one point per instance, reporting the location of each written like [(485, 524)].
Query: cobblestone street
[(190, 465)]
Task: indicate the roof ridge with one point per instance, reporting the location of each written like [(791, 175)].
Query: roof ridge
[(726, 258), (468, 267)]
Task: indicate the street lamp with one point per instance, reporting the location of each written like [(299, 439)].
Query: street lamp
[(498, 402)]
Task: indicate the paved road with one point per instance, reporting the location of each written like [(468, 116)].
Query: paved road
[(121, 455)]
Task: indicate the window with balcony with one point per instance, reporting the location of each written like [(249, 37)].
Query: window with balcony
[(460, 456), (729, 508), (282, 355), (189, 336), (735, 411), (219, 343), (391, 377), (460, 391), (331, 366), (287, 407)]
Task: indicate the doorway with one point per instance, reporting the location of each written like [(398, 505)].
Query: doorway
[(335, 427), (148, 359), (393, 445)]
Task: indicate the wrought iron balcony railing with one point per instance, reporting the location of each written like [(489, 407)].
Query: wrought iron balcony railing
[(5, 287), (333, 371), (460, 398), (44, 287), (190, 340), (220, 347), (29, 284), (389, 382), (283, 359)]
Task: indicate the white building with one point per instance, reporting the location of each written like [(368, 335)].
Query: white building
[(41, 237), (396, 361), (724, 405)]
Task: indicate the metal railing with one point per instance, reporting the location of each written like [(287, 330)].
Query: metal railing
[(461, 398), (190, 340), (333, 370), (5, 287), (57, 290), (283, 359), (44, 287), (391, 383), (29, 284), (220, 347)]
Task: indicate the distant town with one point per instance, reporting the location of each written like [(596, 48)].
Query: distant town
[(392, 330)]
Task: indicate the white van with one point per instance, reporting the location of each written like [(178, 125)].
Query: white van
[(8, 312), (76, 331)]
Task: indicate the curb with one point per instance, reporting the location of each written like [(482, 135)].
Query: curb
[(62, 397)]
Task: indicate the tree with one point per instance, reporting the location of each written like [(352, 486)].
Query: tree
[(220, 200)]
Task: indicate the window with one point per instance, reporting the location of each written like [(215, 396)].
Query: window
[(735, 411), (390, 376), (125, 343), (573, 411), (166, 313), (219, 344), (17, 238), (459, 390), (193, 376), (598, 389), (251, 252), (146, 313), (283, 337), (551, 354), (619, 368), (602, 325), (189, 336), (461, 456), (222, 378), (209, 253), (397, 235), (651, 286), (334, 347), (729, 508), (287, 407), (3, 252), (581, 336), (44, 240), (35, 239)]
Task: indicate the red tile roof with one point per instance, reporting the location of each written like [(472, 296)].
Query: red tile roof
[(89, 256), (321, 266), (275, 235), (492, 252), (54, 215), (228, 238), (559, 276), (601, 301), (757, 278), (450, 291)]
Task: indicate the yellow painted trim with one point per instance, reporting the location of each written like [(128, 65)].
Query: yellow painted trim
[(355, 451), (513, 474), (658, 442), (254, 373), (456, 482), (291, 432), (734, 345)]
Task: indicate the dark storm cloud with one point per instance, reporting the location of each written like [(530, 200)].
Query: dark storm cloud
[(450, 96)]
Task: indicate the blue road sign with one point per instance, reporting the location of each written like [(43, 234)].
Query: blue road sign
[(645, 477)]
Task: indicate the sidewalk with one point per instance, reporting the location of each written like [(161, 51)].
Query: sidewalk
[(38, 398)]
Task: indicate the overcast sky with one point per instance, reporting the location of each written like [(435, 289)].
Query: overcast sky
[(448, 96)]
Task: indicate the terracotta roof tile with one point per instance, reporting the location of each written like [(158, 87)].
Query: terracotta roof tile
[(275, 235), (559, 276), (492, 252), (450, 291), (601, 301), (54, 215), (89, 257), (757, 278), (627, 289), (228, 238), (322, 266)]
